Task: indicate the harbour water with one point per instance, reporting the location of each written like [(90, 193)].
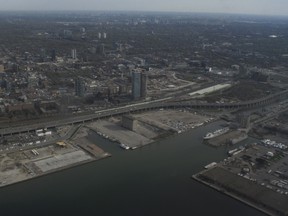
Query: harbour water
[(154, 180)]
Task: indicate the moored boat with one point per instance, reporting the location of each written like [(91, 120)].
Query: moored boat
[(216, 133), (124, 146)]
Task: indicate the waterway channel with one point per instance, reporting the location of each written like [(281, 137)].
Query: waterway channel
[(154, 180)]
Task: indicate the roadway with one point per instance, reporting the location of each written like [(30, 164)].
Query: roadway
[(143, 106)]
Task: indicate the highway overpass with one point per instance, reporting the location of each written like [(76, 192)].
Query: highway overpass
[(145, 106)]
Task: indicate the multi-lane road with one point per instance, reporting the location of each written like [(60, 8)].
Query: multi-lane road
[(143, 106)]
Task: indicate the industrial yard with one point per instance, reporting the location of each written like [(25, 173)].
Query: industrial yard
[(38, 160), (136, 130), (176, 120), (256, 174)]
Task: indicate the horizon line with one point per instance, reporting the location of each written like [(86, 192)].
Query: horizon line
[(144, 11)]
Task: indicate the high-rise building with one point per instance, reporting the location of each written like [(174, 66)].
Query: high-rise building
[(79, 87), (101, 49), (99, 35), (53, 55), (139, 84), (42, 55), (143, 84), (104, 35), (136, 84), (74, 54)]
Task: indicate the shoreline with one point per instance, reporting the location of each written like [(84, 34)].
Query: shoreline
[(107, 155), (96, 159), (57, 170), (232, 195), (154, 140)]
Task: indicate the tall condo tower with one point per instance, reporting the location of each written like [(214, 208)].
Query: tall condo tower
[(136, 85), (139, 84)]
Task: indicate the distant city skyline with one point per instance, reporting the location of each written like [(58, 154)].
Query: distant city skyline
[(265, 7)]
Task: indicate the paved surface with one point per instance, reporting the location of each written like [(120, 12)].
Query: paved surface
[(60, 161), (122, 135), (246, 189)]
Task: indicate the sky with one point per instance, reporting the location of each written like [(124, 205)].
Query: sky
[(266, 7)]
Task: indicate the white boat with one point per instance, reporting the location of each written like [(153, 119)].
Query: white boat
[(210, 165), (124, 146), (231, 152), (216, 133)]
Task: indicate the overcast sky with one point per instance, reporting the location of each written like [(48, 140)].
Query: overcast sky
[(273, 7)]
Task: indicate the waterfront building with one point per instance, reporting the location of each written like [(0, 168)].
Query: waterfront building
[(129, 122)]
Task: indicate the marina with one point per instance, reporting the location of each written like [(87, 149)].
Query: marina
[(241, 176)]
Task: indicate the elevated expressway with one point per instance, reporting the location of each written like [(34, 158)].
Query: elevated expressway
[(145, 106)]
